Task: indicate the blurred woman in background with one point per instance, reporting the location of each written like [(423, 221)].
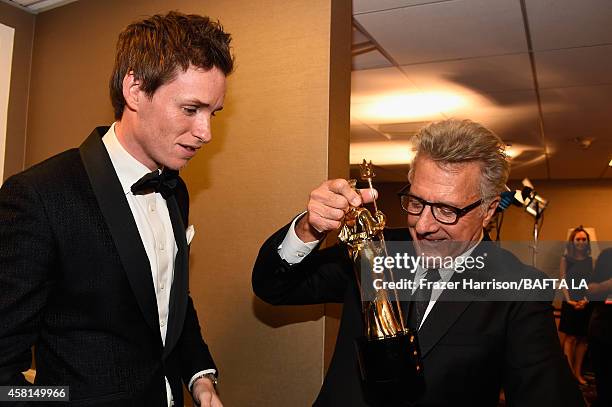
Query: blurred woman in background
[(576, 268)]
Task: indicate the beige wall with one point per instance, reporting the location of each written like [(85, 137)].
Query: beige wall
[(339, 133), (283, 130), (23, 23)]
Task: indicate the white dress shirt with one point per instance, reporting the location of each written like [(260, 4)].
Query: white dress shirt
[(293, 250), (445, 275), (150, 212)]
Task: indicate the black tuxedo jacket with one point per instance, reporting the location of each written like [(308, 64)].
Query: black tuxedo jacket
[(470, 349), (76, 283)]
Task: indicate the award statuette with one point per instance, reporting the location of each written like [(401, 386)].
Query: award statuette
[(388, 352)]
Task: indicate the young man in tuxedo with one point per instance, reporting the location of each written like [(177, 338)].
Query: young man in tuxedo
[(470, 349), (94, 250)]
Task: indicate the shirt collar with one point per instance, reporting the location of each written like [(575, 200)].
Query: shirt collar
[(447, 273), (471, 249), (128, 169)]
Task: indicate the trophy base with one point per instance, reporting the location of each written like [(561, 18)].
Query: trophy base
[(391, 369)]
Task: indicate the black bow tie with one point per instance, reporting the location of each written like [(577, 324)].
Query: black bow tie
[(163, 183)]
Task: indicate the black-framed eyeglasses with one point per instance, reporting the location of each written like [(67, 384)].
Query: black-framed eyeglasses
[(443, 213)]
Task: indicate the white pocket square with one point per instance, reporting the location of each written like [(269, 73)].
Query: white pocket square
[(189, 232)]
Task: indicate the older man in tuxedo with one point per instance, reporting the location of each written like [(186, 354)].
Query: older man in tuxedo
[(94, 241), (470, 349)]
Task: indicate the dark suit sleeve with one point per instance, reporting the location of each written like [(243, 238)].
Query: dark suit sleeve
[(321, 277), (26, 258), (194, 353), (603, 266), (537, 373)]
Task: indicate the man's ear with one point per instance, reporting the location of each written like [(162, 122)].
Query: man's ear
[(131, 91), (490, 211)]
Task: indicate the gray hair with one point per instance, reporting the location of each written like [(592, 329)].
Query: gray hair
[(461, 141)]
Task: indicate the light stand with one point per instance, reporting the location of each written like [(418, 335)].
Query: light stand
[(534, 205)]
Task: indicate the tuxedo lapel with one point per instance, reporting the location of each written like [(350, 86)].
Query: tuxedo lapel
[(452, 303), (441, 317), (180, 284), (447, 309), (120, 221)]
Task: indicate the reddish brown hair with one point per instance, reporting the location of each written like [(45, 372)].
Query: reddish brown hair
[(155, 48)]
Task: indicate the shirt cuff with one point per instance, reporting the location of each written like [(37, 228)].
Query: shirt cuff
[(200, 373), (292, 249)]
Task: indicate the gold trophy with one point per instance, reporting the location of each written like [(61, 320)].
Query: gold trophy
[(388, 352)]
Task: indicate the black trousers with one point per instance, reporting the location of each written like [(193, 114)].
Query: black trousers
[(601, 357)]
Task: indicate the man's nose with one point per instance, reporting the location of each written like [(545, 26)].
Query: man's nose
[(426, 223), (201, 129)]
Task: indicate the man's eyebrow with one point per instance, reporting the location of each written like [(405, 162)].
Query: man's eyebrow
[(199, 103), (196, 102), (438, 202)]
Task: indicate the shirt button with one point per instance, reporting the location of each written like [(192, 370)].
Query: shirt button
[(152, 207), (300, 254), (161, 246), (162, 322), (162, 286)]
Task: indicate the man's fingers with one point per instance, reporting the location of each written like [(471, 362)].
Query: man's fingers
[(334, 200), (320, 219), (216, 402), (329, 203), (325, 212), (368, 195), (339, 194), (205, 399), (329, 198), (342, 187)]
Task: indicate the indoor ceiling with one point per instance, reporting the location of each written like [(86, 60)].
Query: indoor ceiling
[(36, 6), (537, 72)]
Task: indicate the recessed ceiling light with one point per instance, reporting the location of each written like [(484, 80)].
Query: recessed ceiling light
[(584, 142), (382, 152), (513, 150)]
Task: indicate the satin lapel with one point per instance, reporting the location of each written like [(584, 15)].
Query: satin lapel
[(447, 309), (121, 223), (180, 283), (442, 316)]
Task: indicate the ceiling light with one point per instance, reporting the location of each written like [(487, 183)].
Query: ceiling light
[(382, 152), (584, 142), (408, 106), (511, 151)]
